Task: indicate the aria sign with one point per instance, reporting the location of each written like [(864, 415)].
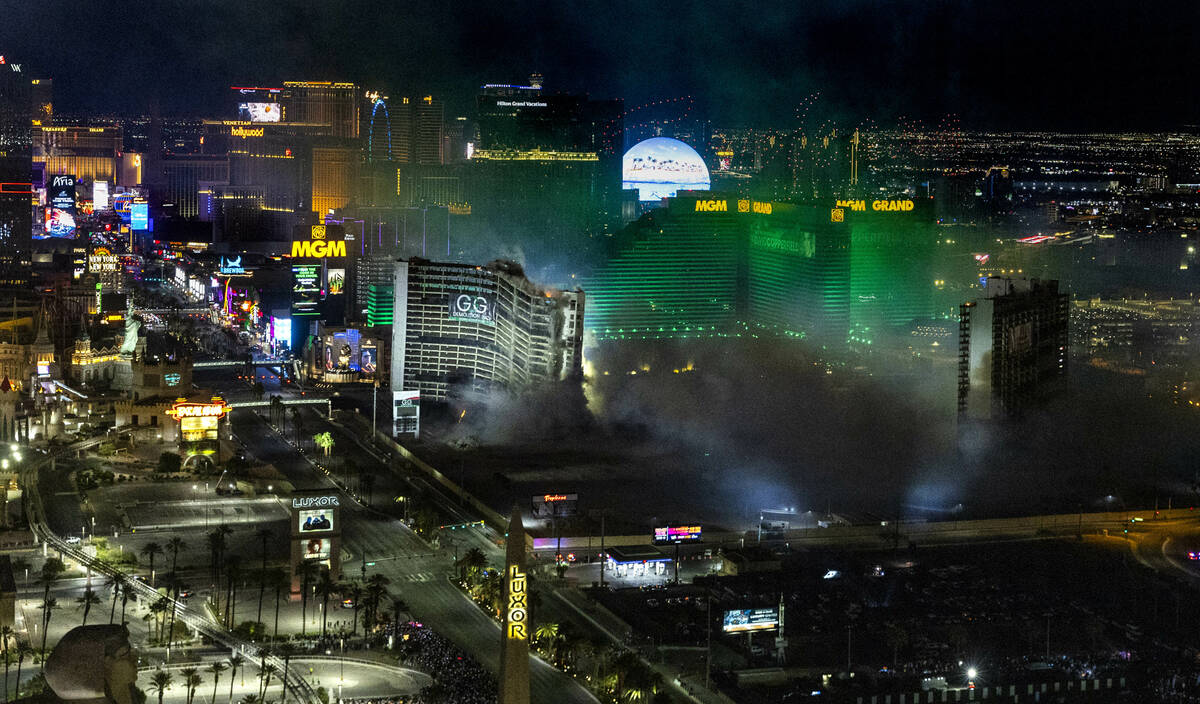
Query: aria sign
[(217, 408), (315, 502)]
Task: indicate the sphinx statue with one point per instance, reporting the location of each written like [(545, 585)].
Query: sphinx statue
[(93, 665)]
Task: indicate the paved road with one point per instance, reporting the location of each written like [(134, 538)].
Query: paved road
[(418, 575)]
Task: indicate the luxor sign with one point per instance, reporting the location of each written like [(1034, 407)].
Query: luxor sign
[(315, 502)]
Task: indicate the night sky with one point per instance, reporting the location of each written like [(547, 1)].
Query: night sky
[(1002, 63)]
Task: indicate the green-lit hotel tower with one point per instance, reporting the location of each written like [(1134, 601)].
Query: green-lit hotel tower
[(711, 265)]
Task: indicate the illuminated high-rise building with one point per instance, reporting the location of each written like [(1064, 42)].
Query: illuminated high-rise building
[(16, 175), (713, 265), (88, 153), (43, 100), (321, 102), (1012, 348), (418, 130), (480, 327)]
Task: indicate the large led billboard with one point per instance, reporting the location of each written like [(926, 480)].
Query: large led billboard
[(743, 620), (139, 216), (259, 112), (337, 282), (60, 209), (668, 535), (99, 195), (660, 167), (472, 308), (306, 289), (370, 358), (555, 505), (317, 549), (316, 521)]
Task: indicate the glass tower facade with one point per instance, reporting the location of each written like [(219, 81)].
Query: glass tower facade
[(16, 175)]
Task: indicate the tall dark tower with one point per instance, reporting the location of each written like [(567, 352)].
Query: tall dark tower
[(16, 174), (514, 637)]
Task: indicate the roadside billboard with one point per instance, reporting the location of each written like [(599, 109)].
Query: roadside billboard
[(669, 535), (555, 505), (744, 620)]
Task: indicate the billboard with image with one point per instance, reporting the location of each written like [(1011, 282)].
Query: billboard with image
[(317, 548), (555, 505), (744, 620), (315, 521), (259, 112), (60, 208), (669, 535)]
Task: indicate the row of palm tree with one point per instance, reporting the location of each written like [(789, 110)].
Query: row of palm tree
[(365, 597), (191, 678)]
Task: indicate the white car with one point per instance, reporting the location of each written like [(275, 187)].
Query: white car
[(74, 540)]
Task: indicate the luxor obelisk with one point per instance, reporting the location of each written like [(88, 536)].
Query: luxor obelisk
[(517, 630)]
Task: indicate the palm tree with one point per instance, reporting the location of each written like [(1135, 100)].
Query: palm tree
[(307, 571), (190, 681), (126, 591), (151, 550), (278, 580), (326, 588), (216, 548), (6, 632), (545, 634), (174, 545), (324, 441), (472, 563), (233, 565), (264, 672), (252, 699), (22, 651), (286, 650), (52, 569), (115, 583), (264, 535), (88, 599), (376, 587), (235, 662), (216, 668), (159, 683), (173, 583), (48, 607)]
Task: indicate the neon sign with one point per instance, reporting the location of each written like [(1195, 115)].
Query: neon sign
[(518, 604), (880, 206), (321, 501), (712, 206), (188, 409), (318, 249), (245, 132)]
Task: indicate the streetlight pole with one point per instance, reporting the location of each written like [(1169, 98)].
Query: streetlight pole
[(374, 410)]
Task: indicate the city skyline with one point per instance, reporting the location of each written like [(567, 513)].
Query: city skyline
[(999, 65)]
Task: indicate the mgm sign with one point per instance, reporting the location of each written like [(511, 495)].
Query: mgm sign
[(324, 242)]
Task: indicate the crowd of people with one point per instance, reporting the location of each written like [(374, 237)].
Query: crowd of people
[(457, 677)]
